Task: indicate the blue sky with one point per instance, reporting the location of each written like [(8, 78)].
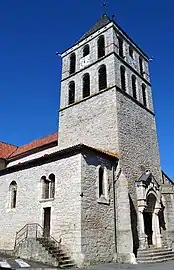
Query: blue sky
[(31, 31)]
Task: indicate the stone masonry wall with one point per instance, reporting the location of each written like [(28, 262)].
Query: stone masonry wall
[(138, 148), (167, 226), (65, 208), (98, 243), (92, 122)]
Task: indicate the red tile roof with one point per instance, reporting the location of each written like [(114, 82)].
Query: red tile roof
[(7, 150)]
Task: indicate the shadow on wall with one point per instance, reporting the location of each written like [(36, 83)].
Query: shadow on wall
[(133, 214), (162, 219)]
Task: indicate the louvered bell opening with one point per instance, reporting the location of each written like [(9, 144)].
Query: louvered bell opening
[(102, 78), (72, 63), (123, 78), (86, 86), (71, 93), (101, 47), (134, 90), (144, 95)]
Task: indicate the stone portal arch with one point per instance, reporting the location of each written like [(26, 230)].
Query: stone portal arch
[(149, 205)]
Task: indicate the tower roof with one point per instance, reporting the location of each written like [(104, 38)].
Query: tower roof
[(103, 21)]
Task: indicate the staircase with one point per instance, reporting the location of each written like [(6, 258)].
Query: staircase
[(35, 232), (155, 255), (63, 259)]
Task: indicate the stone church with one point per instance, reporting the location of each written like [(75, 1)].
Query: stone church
[(94, 191)]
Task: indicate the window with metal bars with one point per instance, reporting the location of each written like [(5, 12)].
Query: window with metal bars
[(123, 78), (144, 95), (134, 90), (120, 46), (86, 50), (72, 63), (141, 66), (86, 85), (101, 46), (102, 77), (71, 98)]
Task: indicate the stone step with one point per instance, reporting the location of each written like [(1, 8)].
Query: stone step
[(156, 261), (153, 250), (58, 252), (156, 257), (152, 254), (66, 266), (65, 262)]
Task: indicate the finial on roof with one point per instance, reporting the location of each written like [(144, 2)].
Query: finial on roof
[(105, 8)]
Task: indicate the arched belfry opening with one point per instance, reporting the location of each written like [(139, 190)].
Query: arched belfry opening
[(149, 208)]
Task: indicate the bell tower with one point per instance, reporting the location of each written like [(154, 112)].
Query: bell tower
[(88, 97), (106, 98)]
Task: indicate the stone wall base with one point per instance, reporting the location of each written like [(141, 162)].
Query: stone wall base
[(6, 252), (30, 249), (125, 258)]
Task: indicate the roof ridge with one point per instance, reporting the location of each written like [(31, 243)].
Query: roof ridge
[(8, 143), (37, 139)]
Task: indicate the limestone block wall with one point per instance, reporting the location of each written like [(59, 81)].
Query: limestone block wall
[(65, 208), (30, 249), (138, 148), (97, 219), (138, 143), (92, 122), (168, 202)]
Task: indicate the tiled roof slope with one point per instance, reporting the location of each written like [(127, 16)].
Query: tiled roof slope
[(6, 150), (35, 144), (103, 21)]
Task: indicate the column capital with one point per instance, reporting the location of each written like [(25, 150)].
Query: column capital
[(156, 211)]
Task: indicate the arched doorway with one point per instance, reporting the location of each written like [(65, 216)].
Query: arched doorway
[(149, 205), (148, 215)]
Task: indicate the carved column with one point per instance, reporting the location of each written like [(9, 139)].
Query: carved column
[(156, 237), (142, 235)]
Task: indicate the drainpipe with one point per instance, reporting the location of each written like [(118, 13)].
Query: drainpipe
[(114, 200)]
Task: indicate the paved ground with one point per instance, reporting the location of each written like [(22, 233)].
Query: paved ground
[(160, 266), (7, 262)]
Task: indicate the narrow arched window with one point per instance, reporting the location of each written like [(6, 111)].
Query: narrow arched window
[(131, 52), (86, 50), (144, 95), (141, 66), (101, 46), (86, 85), (123, 78), (102, 77), (13, 194), (72, 63), (45, 187), (120, 46), (71, 99), (134, 90), (101, 182), (52, 185)]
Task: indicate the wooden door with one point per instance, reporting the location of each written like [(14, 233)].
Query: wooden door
[(47, 219)]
